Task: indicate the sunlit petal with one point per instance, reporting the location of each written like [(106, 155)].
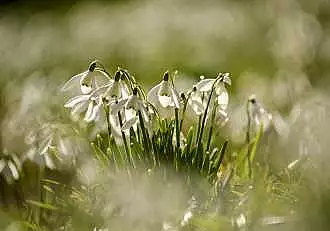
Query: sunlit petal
[(13, 170), (76, 100), (223, 100), (205, 85), (130, 123), (74, 81), (175, 98), (164, 101), (152, 95), (89, 113), (197, 106), (115, 107)]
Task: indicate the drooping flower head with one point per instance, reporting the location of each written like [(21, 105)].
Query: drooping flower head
[(116, 89), (164, 94), (88, 80), (219, 84), (195, 101), (258, 113), (90, 103)]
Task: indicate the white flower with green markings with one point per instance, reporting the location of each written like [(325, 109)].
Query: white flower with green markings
[(164, 94), (88, 80), (219, 84)]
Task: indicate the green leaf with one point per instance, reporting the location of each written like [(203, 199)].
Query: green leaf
[(42, 205)]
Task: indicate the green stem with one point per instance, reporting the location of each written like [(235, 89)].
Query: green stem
[(107, 114), (125, 141), (248, 139), (204, 120), (184, 111), (144, 133), (212, 126), (177, 130)]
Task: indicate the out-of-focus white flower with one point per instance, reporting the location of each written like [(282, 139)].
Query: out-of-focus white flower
[(91, 103), (186, 218), (240, 221), (164, 94), (50, 145), (88, 80), (42, 155), (258, 113), (10, 167), (130, 107)]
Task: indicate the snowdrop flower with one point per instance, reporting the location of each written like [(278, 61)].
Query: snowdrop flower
[(205, 86), (87, 80), (164, 94), (43, 156), (10, 166), (115, 108), (116, 89), (195, 101), (131, 105), (90, 103), (93, 112), (258, 113)]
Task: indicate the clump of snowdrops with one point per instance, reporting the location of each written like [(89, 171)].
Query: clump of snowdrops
[(157, 160), (148, 128)]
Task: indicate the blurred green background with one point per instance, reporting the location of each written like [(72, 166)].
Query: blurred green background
[(278, 50)]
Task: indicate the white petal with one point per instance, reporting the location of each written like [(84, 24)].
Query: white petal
[(45, 145), (79, 108), (132, 102), (152, 95), (63, 147), (86, 89), (116, 107), (75, 100), (89, 113), (13, 170), (165, 89), (144, 113), (197, 106), (115, 126), (101, 78), (124, 90), (96, 113), (164, 101), (175, 98), (227, 79), (75, 80), (129, 114), (113, 91), (49, 162), (205, 85), (129, 123), (223, 100), (101, 90)]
